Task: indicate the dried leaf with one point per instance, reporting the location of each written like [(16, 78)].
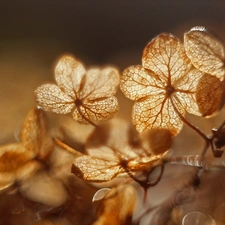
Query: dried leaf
[(163, 88), (210, 95), (205, 51), (89, 95), (117, 207)]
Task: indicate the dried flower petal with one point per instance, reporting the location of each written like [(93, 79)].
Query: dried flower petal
[(166, 57), (163, 88), (137, 82), (96, 110), (158, 140), (205, 51), (52, 98), (69, 75), (156, 112), (103, 164), (100, 84), (13, 156), (17, 160), (89, 95), (210, 95)]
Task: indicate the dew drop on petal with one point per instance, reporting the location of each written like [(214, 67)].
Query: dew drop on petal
[(197, 218), (100, 194)]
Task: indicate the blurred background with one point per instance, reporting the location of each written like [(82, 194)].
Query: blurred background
[(33, 35)]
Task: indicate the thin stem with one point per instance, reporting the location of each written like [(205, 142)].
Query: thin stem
[(190, 124)]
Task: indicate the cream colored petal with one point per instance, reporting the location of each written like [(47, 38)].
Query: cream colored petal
[(156, 112), (210, 95), (100, 83), (94, 169), (137, 82), (186, 91), (99, 110), (51, 98), (165, 56), (205, 51), (69, 74)]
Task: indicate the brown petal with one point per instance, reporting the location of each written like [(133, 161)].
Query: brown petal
[(13, 156), (210, 95)]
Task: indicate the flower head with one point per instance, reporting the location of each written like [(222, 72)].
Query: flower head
[(88, 94), (17, 160), (163, 88), (207, 54)]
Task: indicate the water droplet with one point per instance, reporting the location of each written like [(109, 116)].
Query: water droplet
[(197, 218)]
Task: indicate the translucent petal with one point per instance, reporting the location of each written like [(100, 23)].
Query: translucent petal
[(69, 74), (94, 169), (78, 116), (165, 56), (51, 98), (100, 84), (137, 82), (156, 112), (186, 91), (210, 95), (206, 52), (98, 110)]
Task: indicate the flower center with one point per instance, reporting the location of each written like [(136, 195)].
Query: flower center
[(169, 90), (78, 102)]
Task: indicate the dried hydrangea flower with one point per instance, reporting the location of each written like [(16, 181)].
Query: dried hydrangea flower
[(208, 55), (18, 160), (115, 149), (205, 51), (104, 163), (89, 95), (163, 88)]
